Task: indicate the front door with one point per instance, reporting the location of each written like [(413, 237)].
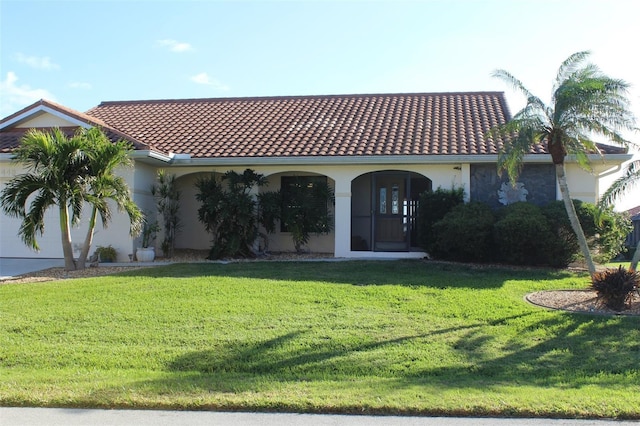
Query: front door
[(390, 218)]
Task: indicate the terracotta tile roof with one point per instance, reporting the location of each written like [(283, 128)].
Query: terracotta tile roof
[(316, 126), (634, 213), (10, 135), (335, 125)]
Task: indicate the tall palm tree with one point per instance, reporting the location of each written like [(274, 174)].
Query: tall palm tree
[(67, 173), (105, 157), (57, 167), (629, 179), (585, 103)]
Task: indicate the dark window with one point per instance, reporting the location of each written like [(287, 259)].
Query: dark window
[(300, 189)]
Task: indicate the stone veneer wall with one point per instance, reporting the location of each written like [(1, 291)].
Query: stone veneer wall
[(538, 179)]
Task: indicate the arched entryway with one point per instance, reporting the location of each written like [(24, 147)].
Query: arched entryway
[(384, 208)]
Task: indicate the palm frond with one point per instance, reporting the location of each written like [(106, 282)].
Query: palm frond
[(511, 156), (568, 67), (512, 81)]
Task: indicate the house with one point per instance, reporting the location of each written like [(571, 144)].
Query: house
[(378, 152), (634, 236)]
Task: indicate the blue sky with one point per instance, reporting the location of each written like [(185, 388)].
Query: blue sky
[(79, 53)]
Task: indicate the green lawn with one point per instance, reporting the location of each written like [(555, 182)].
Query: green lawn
[(402, 337)]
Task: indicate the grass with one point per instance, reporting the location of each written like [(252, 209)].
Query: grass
[(403, 337)]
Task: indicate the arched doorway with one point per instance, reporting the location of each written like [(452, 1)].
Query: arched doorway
[(384, 207)]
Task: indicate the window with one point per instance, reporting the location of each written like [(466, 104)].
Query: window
[(301, 194)]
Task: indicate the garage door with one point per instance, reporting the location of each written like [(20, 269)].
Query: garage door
[(11, 245)]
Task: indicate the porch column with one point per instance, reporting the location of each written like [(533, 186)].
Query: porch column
[(465, 180), (342, 215)]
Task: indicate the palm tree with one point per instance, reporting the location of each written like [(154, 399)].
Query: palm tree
[(167, 197), (585, 103), (57, 167), (67, 173), (104, 185), (622, 185)]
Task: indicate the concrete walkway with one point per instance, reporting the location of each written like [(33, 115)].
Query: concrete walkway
[(82, 417)]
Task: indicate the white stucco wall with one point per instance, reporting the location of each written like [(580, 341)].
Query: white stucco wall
[(630, 199), (50, 242), (583, 185), (193, 235), (590, 185), (45, 120)]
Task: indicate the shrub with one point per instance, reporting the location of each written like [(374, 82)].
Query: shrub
[(523, 236), (229, 214), (615, 287), (605, 230), (464, 234), (433, 206), (611, 230), (106, 254), (566, 248)]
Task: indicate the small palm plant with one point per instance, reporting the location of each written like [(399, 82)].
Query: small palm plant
[(615, 287)]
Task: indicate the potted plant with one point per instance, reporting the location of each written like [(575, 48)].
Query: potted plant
[(146, 253), (106, 254)]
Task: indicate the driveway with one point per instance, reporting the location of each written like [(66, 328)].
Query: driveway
[(13, 266)]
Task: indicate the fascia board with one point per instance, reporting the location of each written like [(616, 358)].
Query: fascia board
[(356, 160), (43, 108), (150, 155)]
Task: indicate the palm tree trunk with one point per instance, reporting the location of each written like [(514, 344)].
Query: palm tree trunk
[(635, 259), (573, 217), (88, 240), (65, 231)]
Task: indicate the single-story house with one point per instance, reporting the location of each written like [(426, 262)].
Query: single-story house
[(634, 236), (378, 153)]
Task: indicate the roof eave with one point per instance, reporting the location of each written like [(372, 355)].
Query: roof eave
[(364, 159), (341, 160)]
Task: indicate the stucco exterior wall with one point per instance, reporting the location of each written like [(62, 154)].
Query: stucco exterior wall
[(45, 120), (584, 186), (117, 234), (193, 235)]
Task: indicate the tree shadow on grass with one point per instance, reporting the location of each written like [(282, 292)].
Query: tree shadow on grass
[(575, 351), (410, 273), (564, 350), (570, 352)]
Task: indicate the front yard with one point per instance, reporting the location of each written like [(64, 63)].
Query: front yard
[(401, 337)]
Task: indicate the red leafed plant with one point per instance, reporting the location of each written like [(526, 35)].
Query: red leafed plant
[(615, 287)]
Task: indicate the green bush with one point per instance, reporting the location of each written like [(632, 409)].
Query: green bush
[(605, 230), (566, 248), (464, 234), (106, 254), (615, 287), (433, 206), (229, 214), (610, 230), (523, 236)]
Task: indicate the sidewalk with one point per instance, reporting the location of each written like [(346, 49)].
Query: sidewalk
[(81, 417)]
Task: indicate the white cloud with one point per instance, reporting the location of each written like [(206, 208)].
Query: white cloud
[(80, 85), (205, 79), (175, 46), (43, 63), (14, 97)]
